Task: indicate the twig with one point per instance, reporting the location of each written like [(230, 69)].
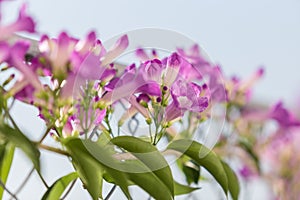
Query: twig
[(7, 190), (43, 180), (24, 181), (53, 149), (110, 192), (45, 134), (69, 190)]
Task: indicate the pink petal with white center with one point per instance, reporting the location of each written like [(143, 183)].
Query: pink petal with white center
[(173, 67), (116, 50), (85, 45), (141, 54)]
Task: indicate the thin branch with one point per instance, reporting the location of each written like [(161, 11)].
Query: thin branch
[(53, 149), (24, 182), (43, 180), (7, 190), (110, 192), (69, 190), (45, 134)]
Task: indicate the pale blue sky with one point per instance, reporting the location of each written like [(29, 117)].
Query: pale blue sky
[(240, 35)]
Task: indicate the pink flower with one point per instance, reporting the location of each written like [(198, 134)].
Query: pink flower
[(186, 96), (4, 51), (18, 52), (130, 83), (58, 51), (23, 23), (193, 56), (247, 173), (283, 116), (152, 70), (142, 55), (173, 66), (115, 51), (94, 65)]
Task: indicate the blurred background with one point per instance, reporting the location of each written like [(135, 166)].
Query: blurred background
[(239, 35)]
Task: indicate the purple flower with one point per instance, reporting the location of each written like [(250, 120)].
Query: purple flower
[(26, 94), (152, 70), (58, 51), (18, 52), (92, 66), (115, 51), (186, 96), (4, 51), (130, 83), (99, 116), (284, 117), (193, 56), (172, 68), (246, 172), (23, 23), (142, 55)]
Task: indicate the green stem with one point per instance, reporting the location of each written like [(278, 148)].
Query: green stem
[(45, 134), (53, 149)]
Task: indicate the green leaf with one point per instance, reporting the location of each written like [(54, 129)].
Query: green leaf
[(191, 172), (204, 157), (233, 186), (104, 156), (20, 140), (147, 180), (91, 168), (248, 147), (6, 157), (180, 189), (150, 156), (59, 186)]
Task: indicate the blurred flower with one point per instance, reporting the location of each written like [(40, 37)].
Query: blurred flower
[(23, 23)]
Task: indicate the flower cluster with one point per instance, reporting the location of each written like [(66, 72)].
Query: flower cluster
[(77, 85)]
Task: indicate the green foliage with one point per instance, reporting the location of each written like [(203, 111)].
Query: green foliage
[(59, 186), (90, 168), (18, 139), (6, 157), (180, 189), (210, 161), (155, 171), (233, 182), (147, 153)]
